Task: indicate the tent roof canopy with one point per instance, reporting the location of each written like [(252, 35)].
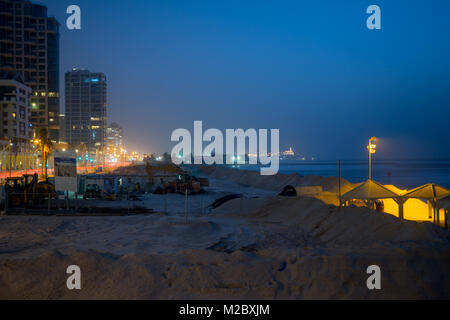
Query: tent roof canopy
[(428, 191), (370, 190)]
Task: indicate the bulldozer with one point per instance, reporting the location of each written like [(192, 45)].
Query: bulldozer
[(28, 191), (184, 182)]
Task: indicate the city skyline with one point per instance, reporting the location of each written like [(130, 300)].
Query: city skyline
[(212, 153), (327, 84)]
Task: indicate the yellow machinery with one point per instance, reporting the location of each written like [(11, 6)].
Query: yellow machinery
[(27, 190), (183, 184)]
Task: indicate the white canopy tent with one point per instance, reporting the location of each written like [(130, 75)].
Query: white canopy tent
[(430, 192), (371, 191)]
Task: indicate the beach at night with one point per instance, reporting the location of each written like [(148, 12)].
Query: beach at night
[(223, 159), (260, 246)]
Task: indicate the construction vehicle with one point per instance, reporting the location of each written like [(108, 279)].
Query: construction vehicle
[(28, 191), (93, 191), (188, 184), (14, 190), (184, 183)]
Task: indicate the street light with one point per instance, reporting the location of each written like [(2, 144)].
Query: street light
[(371, 148)]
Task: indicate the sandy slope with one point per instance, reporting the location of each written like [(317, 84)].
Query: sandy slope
[(276, 182), (267, 247)]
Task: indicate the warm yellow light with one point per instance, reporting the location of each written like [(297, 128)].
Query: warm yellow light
[(372, 147)]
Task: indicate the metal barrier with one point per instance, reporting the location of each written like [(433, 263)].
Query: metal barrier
[(129, 204), (52, 204)]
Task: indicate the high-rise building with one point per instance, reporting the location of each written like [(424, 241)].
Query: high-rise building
[(16, 151), (29, 44), (62, 127), (86, 109), (14, 108), (115, 150), (114, 136)]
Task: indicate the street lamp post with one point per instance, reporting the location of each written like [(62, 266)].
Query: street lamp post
[(10, 146), (371, 149)]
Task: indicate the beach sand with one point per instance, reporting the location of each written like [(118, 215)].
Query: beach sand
[(260, 246)]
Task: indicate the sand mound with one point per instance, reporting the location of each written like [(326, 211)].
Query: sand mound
[(131, 170), (201, 274), (266, 248), (332, 225), (276, 182)]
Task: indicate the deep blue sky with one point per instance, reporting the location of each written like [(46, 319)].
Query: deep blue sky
[(310, 68)]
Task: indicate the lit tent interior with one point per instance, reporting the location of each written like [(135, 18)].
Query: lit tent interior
[(420, 204)]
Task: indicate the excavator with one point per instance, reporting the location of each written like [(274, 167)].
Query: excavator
[(28, 191), (184, 182)]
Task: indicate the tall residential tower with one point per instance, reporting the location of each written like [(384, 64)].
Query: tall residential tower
[(114, 136), (29, 44), (14, 108), (86, 110)]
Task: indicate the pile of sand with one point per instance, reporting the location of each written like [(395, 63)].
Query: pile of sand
[(305, 273), (295, 248), (131, 170), (330, 225), (268, 247), (276, 182)]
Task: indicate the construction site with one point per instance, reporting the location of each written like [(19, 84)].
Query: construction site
[(119, 191)]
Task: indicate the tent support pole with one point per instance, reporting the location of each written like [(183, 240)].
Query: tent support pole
[(400, 203), (340, 196), (446, 219), (434, 213), (438, 220)]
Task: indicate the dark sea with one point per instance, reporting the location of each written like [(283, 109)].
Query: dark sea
[(405, 174)]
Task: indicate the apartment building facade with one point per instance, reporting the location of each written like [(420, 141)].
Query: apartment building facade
[(29, 44), (86, 105), (15, 108)]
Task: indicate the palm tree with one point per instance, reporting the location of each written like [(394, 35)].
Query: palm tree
[(46, 150)]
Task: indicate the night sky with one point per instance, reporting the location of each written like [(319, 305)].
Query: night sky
[(310, 68)]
